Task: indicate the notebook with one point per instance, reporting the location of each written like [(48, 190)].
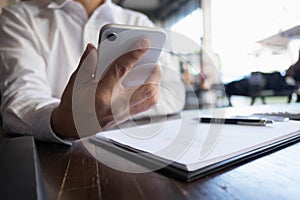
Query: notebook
[(292, 111), (186, 149)]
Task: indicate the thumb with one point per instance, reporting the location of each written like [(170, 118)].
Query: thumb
[(88, 49), (87, 66)]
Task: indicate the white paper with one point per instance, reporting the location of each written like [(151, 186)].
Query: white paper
[(193, 145)]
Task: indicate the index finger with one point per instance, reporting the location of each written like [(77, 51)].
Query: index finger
[(122, 65)]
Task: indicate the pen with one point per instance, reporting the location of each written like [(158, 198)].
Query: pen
[(238, 121)]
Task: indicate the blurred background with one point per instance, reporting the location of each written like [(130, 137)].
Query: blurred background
[(234, 38)]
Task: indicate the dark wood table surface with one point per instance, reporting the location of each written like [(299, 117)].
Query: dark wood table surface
[(73, 173)]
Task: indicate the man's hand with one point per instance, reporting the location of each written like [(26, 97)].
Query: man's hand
[(88, 106)]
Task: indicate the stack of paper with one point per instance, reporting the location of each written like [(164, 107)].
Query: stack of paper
[(190, 146)]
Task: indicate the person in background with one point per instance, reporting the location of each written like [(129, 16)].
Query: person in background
[(294, 72), (40, 48)]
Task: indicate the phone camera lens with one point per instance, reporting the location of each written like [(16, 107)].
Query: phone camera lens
[(112, 36)]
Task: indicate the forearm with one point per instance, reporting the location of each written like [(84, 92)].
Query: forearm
[(29, 116)]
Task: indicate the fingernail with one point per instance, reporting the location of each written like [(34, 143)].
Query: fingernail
[(89, 47), (144, 44)]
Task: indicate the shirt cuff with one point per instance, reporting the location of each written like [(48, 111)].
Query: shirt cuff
[(41, 126)]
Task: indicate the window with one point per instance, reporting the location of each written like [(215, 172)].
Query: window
[(190, 26), (237, 26), (190, 31)]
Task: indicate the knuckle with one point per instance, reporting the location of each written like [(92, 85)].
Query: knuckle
[(131, 57), (125, 62), (146, 105), (154, 100), (135, 55), (120, 69), (149, 91), (103, 99)]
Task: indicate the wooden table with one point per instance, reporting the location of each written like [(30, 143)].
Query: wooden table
[(73, 173)]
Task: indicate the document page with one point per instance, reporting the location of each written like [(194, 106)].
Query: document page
[(190, 145)]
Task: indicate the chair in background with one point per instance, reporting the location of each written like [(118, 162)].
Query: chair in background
[(261, 85)]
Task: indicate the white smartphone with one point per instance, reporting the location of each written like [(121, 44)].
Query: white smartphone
[(115, 40)]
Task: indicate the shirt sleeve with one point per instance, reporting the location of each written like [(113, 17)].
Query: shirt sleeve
[(27, 101)]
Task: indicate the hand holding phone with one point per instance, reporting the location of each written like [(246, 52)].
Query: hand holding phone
[(115, 40)]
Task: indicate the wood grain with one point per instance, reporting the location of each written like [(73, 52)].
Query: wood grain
[(73, 173)]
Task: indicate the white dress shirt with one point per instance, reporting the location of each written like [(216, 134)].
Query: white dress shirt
[(41, 43)]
